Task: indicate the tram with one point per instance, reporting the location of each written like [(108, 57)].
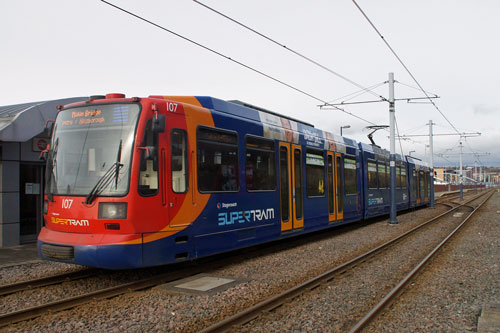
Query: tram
[(138, 182)]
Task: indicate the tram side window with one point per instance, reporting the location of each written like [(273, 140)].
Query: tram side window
[(260, 167), (429, 183), (382, 179), (372, 175), (414, 184), (179, 161), (340, 190), (217, 160), (398, 176), (315, 173), (421, 182), (404, 180), (426, 184), (148, 173), (351, 186)]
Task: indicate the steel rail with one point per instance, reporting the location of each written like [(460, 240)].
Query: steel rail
[(281, 298), (45, 281), (402, 284), (67, 303)]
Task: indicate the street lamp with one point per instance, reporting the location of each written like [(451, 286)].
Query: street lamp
[(411, 151), (341, 127)]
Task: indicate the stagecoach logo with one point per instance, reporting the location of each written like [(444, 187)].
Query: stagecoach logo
[(246, 216), (226, 205), (73, 222)]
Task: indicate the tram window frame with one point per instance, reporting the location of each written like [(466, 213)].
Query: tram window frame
[(260, 147), (421, 182), (350, 188), (404, 179), (398, 176), (339, 188), (179, 162), (315, 174), (372, 175), (221, 146), (148, 167), (382, 174)]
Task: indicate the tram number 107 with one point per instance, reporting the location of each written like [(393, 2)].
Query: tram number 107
[(66, 203), (172, 107)]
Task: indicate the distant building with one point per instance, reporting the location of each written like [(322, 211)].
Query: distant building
[(22, 138)]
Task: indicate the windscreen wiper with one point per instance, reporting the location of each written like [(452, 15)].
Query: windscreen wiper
[(103, 182), (106, 179)]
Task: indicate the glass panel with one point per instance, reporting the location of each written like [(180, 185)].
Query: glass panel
[(372, 175), (414, 184), (404, 180), (382, 182), (179, 162), (421, 182), (315, 173), (351, 185), (91, 145), (340, 201), (284, 184), (217, 161), (398, 176), (148, 172), (331, 194), (260, 165), (297, 165)]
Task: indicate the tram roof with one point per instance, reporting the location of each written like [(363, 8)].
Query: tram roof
[(21, 122)]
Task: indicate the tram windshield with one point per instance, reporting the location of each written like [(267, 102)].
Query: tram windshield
[(90, 152)]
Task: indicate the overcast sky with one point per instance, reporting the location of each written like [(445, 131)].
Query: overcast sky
[(57, 48)]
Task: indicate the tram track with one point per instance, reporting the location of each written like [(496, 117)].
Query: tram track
[(266, 307), (140, 284), (45, 281)]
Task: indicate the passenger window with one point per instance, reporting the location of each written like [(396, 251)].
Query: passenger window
[(340, 196), (260, 170), (382, 182), (351, 185), (284, 184), (414, 184), (372, 175), (404, 180), (217, 161), (398, 176), (179, 161), (315, 173), (148, 172)]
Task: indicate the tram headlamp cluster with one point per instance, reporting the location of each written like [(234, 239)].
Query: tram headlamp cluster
[(112, 210)]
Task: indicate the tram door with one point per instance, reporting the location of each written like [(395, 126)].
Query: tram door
[(291, 190), (335, 188)]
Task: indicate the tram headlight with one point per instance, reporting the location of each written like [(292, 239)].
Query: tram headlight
[(112, 210)]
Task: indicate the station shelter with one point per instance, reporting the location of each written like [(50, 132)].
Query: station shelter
[(22, 138)]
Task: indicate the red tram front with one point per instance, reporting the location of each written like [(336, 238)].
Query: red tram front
[(105, 195)]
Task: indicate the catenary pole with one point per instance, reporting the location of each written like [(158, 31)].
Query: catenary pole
[(461, 177), (431, 162), (392, 157)]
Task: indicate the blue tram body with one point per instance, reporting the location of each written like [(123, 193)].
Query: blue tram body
[(250, 176)]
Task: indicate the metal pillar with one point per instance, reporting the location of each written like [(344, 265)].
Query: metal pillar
[(392, 159), (431, 162), (461, 176)]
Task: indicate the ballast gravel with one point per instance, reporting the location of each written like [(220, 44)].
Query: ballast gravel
[(290, 263)]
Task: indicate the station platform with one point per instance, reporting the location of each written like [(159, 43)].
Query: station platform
[(18, 254)]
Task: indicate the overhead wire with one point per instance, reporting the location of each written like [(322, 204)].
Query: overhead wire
[(404, 66), (233, 60), (289, 49)]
